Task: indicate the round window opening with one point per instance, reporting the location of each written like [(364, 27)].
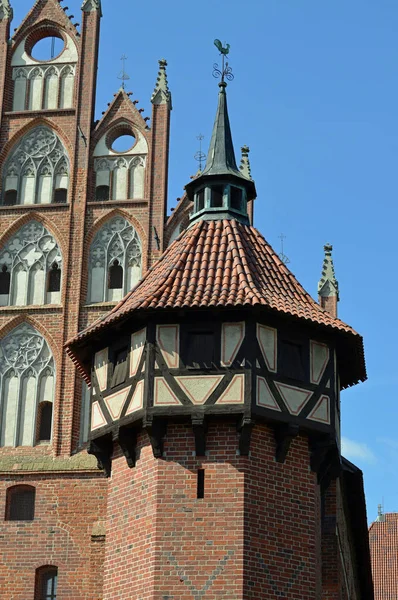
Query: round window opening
[(47, 48), (123, 143)]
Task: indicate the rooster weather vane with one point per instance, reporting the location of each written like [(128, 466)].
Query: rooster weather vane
[(225, 72)]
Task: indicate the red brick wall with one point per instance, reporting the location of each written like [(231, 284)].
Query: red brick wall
[(63, 533)]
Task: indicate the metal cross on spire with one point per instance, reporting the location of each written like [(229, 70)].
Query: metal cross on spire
[(282, 255), (200, 156), (123, 75), (225, 72)]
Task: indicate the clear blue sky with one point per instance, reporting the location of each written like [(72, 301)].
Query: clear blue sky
[(315, 96)]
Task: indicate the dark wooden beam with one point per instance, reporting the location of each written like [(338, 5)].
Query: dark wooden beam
[(102, 449), (245, 427), (284, 435), (325, 459), (156, 429), (128, 444)]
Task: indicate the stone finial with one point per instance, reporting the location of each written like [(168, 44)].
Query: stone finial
[(161, 93), (328, 287), (91, 5), (6, 11), (244, 166)]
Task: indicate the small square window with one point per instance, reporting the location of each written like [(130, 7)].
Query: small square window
[(236, 198), (20, 503), (200, 200), (217, 196), (200, 350)]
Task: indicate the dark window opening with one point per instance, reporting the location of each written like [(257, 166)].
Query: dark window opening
[(45, 415), (54, 278), (5, 277), (200, 491), (217, 193), (60, 196), (236, 198), (20, 503), (291, 360), (119, 367), (115, 279), (200, 200), (10, 197), (46, 583), (200, 350), (102, 193)]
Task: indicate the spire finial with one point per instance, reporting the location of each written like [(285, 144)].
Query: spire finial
[(200, 156), (123, 75), (328, 287), (244, 166), (6, 11), (282, 255), (225, 72), (91, 5), (161, 93)]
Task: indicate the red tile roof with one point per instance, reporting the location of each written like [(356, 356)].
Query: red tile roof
[(383, 538), (222, 264)]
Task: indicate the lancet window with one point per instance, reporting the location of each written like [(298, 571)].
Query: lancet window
[(43, 87), (37, 171), (119, 178), (30, 268), (115, 261), (27, 378)]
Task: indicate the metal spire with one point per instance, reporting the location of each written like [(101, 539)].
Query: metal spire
[(123, 75)]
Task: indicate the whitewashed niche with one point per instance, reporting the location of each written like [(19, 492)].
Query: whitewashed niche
[(119, 178), (27, 380), (85, 411), (43, 87), (30, 268), (37, 170), (115, 261)]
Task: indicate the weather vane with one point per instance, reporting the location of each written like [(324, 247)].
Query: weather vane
[(123, 75), (200, 156), (282, 255), (225, 72)]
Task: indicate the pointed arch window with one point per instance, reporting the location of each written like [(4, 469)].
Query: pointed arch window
[(44, 87), (115, 261), (37, 170), (27, 261), (27, 378), (120, 178)]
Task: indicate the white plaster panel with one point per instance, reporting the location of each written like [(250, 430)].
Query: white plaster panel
[(36, 285), (140, 147), (19, 94), (11, 183), (4, 299), (46, 390), (133, 276), (321, 411), (168, 339), (163, 394), (97, 284), (103, 177), (137, 174), (137, 400), (61, 182), (199, 388), (28, 189), (319, 359), (51, 92), (119, 187), (53, 297), (264, 396), (28, 413), (66, 92), (232, 335), (137, 347), (97, 416), (101, 368), (36, 92), (114, 294), (69, 54), (115, 402), (294, 398), (10, 397), (44, 189), (235, 392), (20, 286), (267, 339)]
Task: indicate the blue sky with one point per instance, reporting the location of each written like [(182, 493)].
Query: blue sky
[(315, 97)]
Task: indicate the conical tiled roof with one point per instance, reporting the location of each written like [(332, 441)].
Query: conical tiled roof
[(226, 264)]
